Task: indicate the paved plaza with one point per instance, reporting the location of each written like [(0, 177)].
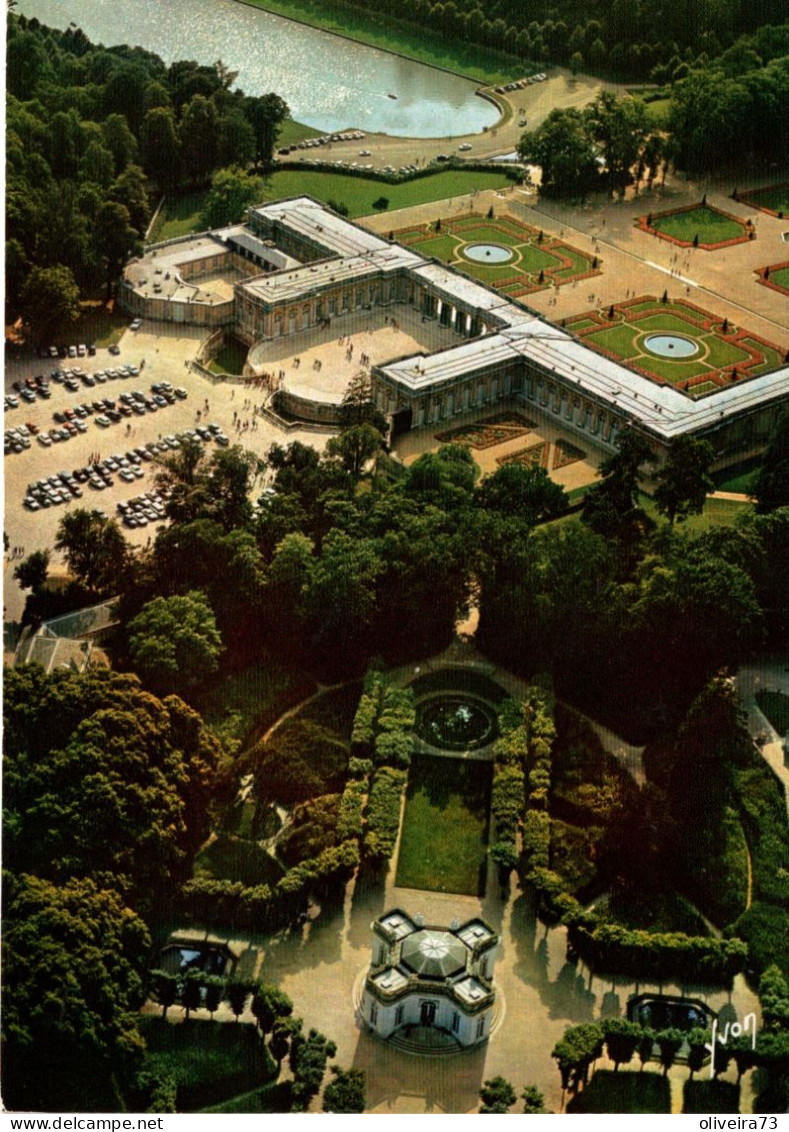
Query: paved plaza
[(319, 363)]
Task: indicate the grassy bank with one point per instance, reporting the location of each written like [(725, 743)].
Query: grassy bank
[(475, 62), (182, 215)]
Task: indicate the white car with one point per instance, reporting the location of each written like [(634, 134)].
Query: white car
[(464, 147), (44, 439), (103, 422), (135, 324)]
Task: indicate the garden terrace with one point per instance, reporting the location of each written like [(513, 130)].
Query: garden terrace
[(677, 343), (514, 258), (699, 226), (776, 276), (774, 199)]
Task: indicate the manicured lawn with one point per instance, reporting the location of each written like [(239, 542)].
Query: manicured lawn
[(775, 706), (739, 477), (179, 217), (182, 215), (707, 223), (657, 112), (775, 198), (293, 132), (210, 1061), (237, 859), (445, 826), (381, 30), (780, 278), (274, 1097), (716, 513), (699, 1097), (624, 1091), (358, 193)]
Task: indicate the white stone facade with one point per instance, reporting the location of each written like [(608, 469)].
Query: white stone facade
[(429, 976)]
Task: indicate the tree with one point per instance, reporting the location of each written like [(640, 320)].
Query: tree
[(269, 1004), (357, 406), (281, 1033), (95, 549), (619, 127), (236, 995), (198, 137), (31, 572), (497, 1095), (235, 140), (73, 973), (102, 780), (669, 1042), (621, 1040), (533, 1101), (160, 145), (174, 641), (354, 448), (191, 991), (526, 493), (214, 992), (346, 1093), (114, 239), (49, 301), (684, 480), (697, 1040), (266, 116), (164, 989), (563, 148), (771, 484), (611, 506), (308, 1057), (232, 191)]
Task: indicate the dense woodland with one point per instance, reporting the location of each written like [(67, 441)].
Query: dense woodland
[(92, 133)]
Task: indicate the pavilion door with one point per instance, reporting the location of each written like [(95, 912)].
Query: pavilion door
[(427, 1014)]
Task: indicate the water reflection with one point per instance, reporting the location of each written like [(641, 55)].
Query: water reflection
[(328, 82)]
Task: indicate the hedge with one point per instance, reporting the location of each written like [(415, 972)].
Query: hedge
[(394, 748), (536, 839), (669, 955), (383, 811), (398, 178), (349, 821), (264, 906), (506, 805)]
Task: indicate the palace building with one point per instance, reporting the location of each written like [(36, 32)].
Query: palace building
[(297, 265), (434, 977)]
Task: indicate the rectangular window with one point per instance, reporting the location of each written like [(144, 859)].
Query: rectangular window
[(480, 1027), (398, 1015), (455, 1022), (373, 1012)]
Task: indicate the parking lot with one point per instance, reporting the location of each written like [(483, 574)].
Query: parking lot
[(161, 353)]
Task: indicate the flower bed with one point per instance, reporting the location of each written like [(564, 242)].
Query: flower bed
[(535, 454), (488, 432), (565, 453)]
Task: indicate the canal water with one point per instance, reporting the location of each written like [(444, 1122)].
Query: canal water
[(328, 82)]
